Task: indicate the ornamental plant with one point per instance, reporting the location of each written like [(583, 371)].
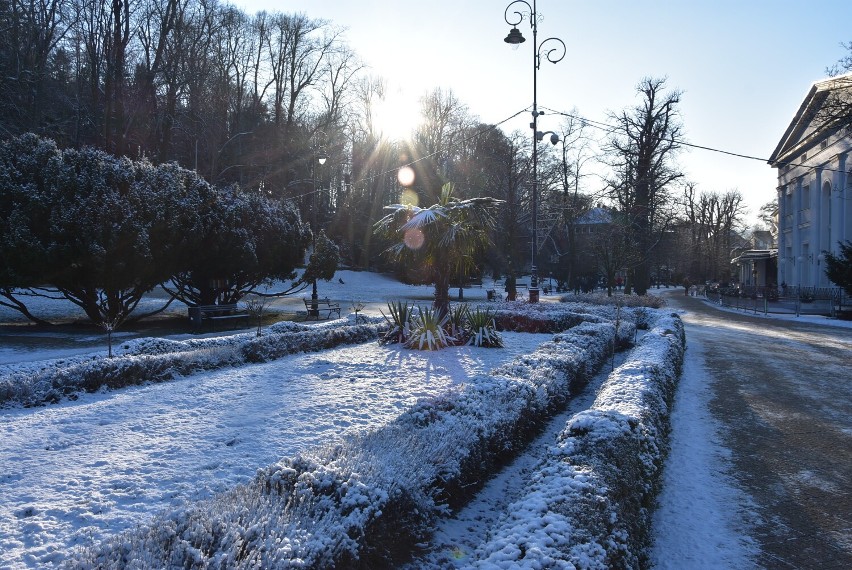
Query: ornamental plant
[(457, 322), (400, 322), (482, 329), (444, 239), (428, 330)]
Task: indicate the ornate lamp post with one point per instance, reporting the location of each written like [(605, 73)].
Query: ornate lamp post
[(321, 157), (553, 55)]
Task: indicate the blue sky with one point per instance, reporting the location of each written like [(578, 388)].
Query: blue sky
[(743, 66)]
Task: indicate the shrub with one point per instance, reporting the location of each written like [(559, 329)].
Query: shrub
[(369, 500), (591, 499), (457, 322), (482, 329), (400, 322), (159, 360), (427, 330)]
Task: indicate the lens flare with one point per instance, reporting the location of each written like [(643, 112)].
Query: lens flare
[(409, 198), (414, 239), (405, 176)]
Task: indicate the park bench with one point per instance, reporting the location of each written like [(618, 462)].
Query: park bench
[(314, 308), (215, 313)]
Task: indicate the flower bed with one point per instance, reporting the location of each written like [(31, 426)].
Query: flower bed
[(368, 501)]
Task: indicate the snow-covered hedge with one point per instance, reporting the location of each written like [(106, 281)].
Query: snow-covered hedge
[(548, 317), (590, 502), (601, 298), (158, 360), (367, 501)]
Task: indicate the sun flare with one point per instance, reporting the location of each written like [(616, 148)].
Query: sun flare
[(396, 116)]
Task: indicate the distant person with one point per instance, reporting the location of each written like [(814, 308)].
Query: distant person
[(341, 280)]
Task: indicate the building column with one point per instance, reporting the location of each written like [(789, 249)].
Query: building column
[(782, 265), (797, 234), (844, 203), (815, 247), (836, 206)]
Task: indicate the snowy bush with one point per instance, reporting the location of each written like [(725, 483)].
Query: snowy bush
[(158, 360), (428, 330), (601, 298), (590, 501)]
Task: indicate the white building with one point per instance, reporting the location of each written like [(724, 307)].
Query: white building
[(814, 187)]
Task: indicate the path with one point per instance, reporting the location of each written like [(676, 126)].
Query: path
[(782, 393)]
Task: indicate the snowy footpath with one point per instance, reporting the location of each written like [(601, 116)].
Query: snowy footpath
[(697, 523)]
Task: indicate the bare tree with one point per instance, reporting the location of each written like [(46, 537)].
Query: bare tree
[(571, 202), (30, 34), (713, 220), (835, 110), (768, 214), (641, 153)]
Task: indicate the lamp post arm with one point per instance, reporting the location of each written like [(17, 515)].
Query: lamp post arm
[(520, 15), (548, 53)]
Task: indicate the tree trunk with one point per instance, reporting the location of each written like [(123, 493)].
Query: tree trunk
[(442, 296)]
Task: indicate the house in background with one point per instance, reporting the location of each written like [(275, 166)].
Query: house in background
[(814, 192), (757, 265)]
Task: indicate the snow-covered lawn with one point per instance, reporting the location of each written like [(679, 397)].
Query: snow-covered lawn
[(76, 472)]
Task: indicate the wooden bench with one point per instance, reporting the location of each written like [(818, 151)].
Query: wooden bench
[(315, 307), (214, 313)]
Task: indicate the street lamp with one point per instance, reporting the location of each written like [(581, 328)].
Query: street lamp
[(553, 55), (321, 157)]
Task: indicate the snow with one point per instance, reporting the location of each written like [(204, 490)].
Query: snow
[(74, 473), (695, 521), (78, 471)]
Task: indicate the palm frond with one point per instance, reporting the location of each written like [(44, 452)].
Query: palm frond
[(422, 217)]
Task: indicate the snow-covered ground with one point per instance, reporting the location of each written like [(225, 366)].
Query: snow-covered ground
[(75, 472), (696, 524)]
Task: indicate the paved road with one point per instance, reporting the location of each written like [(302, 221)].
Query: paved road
[(783, 392)]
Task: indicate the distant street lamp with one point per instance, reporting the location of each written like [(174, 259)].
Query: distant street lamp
[(553, 55), (320, 157)]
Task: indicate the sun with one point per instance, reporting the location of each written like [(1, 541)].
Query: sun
[(396, 115)]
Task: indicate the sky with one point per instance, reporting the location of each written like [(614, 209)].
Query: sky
[(744, 67)]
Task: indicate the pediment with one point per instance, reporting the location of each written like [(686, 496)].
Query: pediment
[(808, 127)]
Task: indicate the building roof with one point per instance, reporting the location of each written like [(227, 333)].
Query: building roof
[(596, 215), (799, 136), (755, 255)]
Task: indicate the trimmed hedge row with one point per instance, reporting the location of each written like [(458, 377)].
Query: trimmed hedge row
[(368, 501), (185, 357), (595, 493)]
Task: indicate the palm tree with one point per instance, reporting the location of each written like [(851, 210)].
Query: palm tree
[(445, 239)]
